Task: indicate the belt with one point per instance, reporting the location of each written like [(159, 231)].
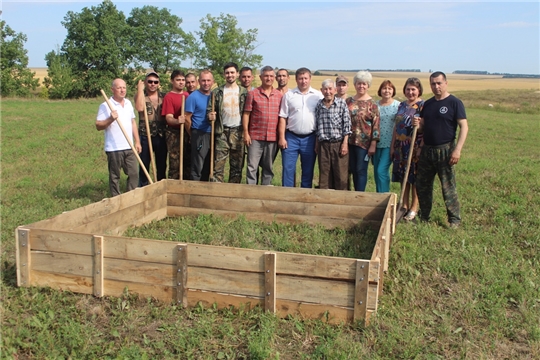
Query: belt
[(442, 146), (332, 141), (231, 127), (301, 135)]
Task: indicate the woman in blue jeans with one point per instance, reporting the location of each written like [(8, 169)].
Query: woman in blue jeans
[(365, 129)]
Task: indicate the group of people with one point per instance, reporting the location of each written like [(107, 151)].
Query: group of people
[(343, 132)]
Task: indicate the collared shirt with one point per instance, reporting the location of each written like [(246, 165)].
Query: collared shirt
[(365, 122), (114, 138), (299, 110), (264, 116), (334, 122)]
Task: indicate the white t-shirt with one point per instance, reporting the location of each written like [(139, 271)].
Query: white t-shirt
[(114, 138), (230, 112), (299, 110)]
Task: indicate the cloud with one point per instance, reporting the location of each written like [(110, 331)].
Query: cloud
[(517, 24)]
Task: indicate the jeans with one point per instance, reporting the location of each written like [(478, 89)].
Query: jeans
[(359, 167), (305, 147)]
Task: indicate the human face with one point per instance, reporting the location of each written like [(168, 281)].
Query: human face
[(151, 83), (411, 93), (438, 86), (328, 92), (178, 83), (267, 78), (231, 75), (361, 88), (246, 78), (387, 92), (341, 88), (206, 80), (191, 84), (282, 78), (303, 81), (119, 89)]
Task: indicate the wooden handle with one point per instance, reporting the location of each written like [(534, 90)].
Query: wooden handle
[(212, 143), (128, 139), (150, 146), (407, 169), (182, 112)]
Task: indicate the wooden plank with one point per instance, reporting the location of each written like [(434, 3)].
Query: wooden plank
[(243, 191), (75, 283), (270, 282), (387, 236), (160, 292), (182, 274), (158, 251), (222, 301), (141, 272), (62, 241), (23, 257), (316, 291), (229, 258), (347, 211), (361, 290), (330, 314), (98, 266), (375, 284), (316, 266), (227, 281), (62, 263)]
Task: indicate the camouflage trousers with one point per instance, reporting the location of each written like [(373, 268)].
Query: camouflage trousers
[(173, 148), (229, 144), (434, 161)]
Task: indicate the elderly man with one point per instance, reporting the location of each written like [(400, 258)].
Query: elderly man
[(149, 98), (229, 100), (172, 110), (282, 79), (199, 127), (333, 130), (120, 156), (260, 121), (246, 78), (439, 120), (296, 129), (342, 85)]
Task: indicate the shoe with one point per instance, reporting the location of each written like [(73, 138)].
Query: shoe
[(410, 215), (454, 225)]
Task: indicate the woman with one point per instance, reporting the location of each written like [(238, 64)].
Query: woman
[(388, 108), (401, 145), (365, 129)]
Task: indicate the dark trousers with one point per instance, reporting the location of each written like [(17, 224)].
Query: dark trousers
[(159, 145), (122, 160), (200, 155), (434, 161), (333, 168)]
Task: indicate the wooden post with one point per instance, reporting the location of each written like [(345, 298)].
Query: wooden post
[(181, 153), (150, 145), (270, 282), (23, 257), (212, 143), (98, 265), (182, 275), (361, 290)]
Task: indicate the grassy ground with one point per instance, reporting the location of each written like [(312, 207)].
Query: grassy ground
[(472, 293)]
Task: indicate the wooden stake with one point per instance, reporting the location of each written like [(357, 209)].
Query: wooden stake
[(127, 138), (182, 140), (150, 146), (212, 143)]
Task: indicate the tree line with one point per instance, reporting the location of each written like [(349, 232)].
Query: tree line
[(102, 44)]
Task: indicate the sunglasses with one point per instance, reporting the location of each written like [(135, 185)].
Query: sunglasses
[(153, 81)]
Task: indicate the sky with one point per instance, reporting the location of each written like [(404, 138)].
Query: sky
[(494, 36)]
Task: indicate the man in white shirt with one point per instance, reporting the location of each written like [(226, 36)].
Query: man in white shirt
[(120, 156), (296, 129)]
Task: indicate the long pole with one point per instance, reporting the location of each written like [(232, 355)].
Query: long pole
[(182, 140), (407, 169), (150, 146), (111, 107), (212, 143)]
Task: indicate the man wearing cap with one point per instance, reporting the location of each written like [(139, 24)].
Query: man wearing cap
[(296, 129), (172, 110), (342, 85), (150, 98)]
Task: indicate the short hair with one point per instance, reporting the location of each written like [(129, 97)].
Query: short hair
[(363, 76), (328, 83), (190, 75), (384, 84), (229, 65), (437, 74), (176, 73), (414, 81), (205, 71), (246, 68), (301, 71), (286, 71), (267, 68)]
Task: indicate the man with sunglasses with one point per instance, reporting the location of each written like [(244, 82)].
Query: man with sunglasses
[(148, 96)]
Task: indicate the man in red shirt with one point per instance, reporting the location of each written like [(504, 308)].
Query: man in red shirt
[(260, 121)]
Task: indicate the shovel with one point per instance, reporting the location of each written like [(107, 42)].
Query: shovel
[(400, 213)]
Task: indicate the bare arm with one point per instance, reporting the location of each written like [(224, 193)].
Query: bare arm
[(103, 124), (463, 131), (188, 116), (140, 104), (135, 131), (245, 126), (282, 125)]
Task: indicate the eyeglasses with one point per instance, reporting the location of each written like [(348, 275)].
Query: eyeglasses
[(153, 81)]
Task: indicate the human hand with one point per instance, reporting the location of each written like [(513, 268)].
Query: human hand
[(212, 116), (282, 143), (181, 119), (454, 157)]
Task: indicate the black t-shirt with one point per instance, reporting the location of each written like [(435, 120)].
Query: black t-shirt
[(440, 119)]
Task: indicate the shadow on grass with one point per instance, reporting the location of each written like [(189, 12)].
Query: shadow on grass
[(9, 274), (359, 241), (93, 192)]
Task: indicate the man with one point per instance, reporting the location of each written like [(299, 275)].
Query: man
[(199, 127), (282, 79), (229, 100), (118, 149), (439, 119), (342, 85), (172, 110), (260, 121), (333, 130), (296, 129), (191, 82), (246, 78), (149, 98)]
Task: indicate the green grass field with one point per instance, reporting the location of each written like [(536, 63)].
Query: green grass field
[(471, 293)]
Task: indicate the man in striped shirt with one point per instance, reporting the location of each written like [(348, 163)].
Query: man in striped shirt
[(260, 121), (333, 124)]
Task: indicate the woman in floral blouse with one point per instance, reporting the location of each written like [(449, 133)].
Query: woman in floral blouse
[(365, 129)]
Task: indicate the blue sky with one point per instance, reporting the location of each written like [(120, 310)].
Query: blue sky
[(458, 35)]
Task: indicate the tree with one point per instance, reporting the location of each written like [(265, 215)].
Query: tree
[(221, 41), (16, 78), (96, 47), (157, 39), (59, 80)]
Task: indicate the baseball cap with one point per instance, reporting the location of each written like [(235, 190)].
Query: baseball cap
[(152, 72), (342, 78)]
